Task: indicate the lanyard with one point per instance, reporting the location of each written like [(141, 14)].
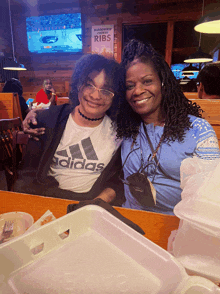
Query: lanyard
[(155, 152)]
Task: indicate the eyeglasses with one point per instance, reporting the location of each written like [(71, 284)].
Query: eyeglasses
[(104, 94)]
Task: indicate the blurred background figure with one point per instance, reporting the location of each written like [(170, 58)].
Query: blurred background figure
[(190, 86), (47, 94), (14, 86), (208, 82)]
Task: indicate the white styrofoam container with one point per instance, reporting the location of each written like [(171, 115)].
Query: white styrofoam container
[(198, 251), (202, 213), (100, 255), (197, 241)]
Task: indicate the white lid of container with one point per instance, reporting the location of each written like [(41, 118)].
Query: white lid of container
[(200, 212), (101, 254)]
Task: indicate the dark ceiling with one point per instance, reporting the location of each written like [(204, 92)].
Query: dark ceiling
[(111, 6)]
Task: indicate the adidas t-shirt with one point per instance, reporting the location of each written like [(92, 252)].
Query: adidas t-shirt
[(82, 154)]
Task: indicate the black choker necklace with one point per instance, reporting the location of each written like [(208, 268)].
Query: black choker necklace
[(91, 119)]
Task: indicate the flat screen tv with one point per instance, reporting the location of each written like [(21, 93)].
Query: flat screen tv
[(59, 33), (178, 67)]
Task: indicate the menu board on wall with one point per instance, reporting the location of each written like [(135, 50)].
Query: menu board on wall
[(103, 40)]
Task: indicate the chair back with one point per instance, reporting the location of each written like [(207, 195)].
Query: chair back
[(191, 95), (19, 144), (9, 106), (62, 100), (211, 108), (12, 140)]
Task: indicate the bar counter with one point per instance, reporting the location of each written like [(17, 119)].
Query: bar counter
[(157, 226)]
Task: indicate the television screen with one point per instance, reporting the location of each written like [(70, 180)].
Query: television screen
[(60, 33), (177, 70), (215, 56)]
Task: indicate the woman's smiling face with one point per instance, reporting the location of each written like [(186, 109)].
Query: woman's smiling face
[(143, 91)]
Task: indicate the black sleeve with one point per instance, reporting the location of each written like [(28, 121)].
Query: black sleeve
[(110, 179), (23, 106)]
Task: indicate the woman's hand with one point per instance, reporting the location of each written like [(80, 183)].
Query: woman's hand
[(31, 118)]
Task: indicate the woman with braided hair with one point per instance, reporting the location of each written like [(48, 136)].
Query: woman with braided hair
[(160, 127)]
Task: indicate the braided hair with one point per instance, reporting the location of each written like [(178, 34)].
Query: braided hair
[(175, 107)]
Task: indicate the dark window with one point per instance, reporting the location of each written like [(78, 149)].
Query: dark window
[(185, 35), (155, 33)]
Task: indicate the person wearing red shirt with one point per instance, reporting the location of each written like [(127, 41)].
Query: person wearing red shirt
[(47, 94)]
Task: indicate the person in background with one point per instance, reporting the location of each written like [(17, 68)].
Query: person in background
[(14, 86), (47, 94), (78, 155), (208, 82), (160, 128)]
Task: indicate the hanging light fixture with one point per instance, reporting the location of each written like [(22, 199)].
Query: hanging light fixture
[(11, 63), (209, 24), (190, 70), (199, 56), (184, 81), (189, 74)]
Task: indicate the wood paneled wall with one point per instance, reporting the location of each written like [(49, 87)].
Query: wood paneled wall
[(60, 69)]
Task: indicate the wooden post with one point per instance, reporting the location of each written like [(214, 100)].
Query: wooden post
[(169, 42)]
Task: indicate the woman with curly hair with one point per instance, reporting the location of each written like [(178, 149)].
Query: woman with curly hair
[(160, 127)]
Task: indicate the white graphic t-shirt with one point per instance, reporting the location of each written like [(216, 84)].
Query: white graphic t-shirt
[(82, 154)]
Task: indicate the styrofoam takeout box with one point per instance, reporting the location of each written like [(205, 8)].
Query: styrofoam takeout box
[(101, 254), (22, 221), (197, 241)]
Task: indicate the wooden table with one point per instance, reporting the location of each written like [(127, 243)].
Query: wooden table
[(157, 226)]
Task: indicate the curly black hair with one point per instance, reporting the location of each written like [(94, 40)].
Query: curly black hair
[(175, 106), (94, 62)]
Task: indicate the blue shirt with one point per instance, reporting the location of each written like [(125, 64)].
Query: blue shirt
[(200, 140)]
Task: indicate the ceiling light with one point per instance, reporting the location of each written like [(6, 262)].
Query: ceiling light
[(189, 74), (184, 81), (11, 64), (199, 56), (209, 24), (190, 69)]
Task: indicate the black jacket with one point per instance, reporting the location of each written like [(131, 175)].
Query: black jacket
[(33, 178)]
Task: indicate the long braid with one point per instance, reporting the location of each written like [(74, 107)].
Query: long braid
[(175, 106)]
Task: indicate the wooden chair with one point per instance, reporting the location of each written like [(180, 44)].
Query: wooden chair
[(191, 95), (19, 144), (13, 142), (9, 106), (7, 126), (62, 100), (211, 108)]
